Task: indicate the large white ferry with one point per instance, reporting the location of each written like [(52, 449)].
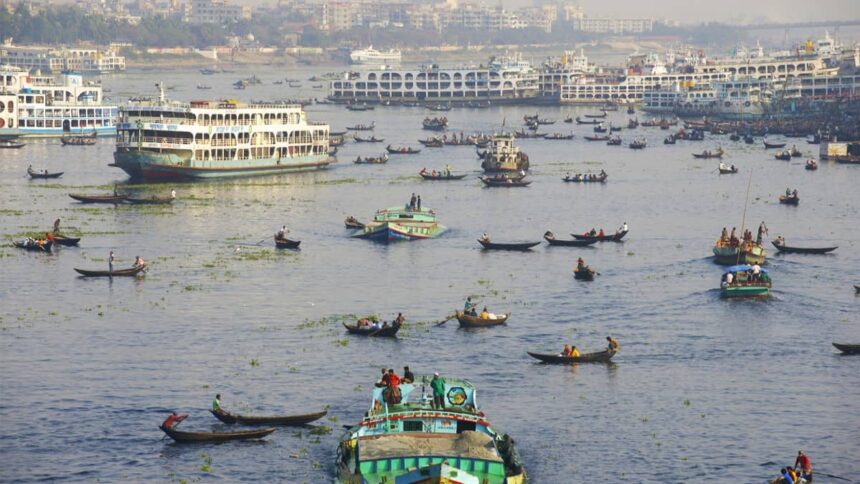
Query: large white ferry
[(503, 80), (371, 56), (40, 106), (166, 140)]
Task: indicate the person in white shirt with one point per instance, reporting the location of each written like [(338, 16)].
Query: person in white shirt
[(729, 278), (624, 227), (756, 272)]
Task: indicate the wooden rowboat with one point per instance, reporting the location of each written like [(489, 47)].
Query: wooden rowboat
[(513, 246), (803, 250), (847, 348), (190, 437), (114, 199), (66, 241), (586, 275), (286, 243), (46, 247), (467, 321), (616, 237), (428, 176), (599, 357), (131, 271), (149, 201), (231, 418), (550, 237), (774, 145), (504, 182), (43, 175), (385, 332), (792, 200)]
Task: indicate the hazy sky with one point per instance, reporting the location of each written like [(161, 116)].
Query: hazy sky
[(724, 10)]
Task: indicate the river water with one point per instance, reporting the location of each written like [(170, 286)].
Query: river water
[(702, 387)]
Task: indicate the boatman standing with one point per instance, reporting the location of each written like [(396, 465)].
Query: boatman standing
[(110, 262), (804, 464), (438, 385)]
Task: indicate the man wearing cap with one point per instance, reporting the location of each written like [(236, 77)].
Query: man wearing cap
[(438, 385)]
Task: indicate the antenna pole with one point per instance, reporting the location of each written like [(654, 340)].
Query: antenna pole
[(744, 219)]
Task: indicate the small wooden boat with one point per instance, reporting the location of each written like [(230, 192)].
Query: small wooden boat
[(468, 321), (795, 153), (45, 246), (615, 129), (773, 145), (362, 127), (11, 144), (728, 170), (550, 238), (66, 241), (372, 139), (638, 144), (615, 141), (432, 142), (598, 357), (232, 418), (377, 160), (386, 331), (285, 243), (359, 107), (600, 129), (783, 155), (584, 275), (811, 165), (114, 199), (587, 121), (43, 174), (191, 437), (544, 121), (616, 237), (588, 178), (402, 150), (802, 250), (707, 154), (792, 200), (77, 140), (507, 246), (149, 201), (595, 116), (504, 182), (440, 176), (848, 349), (597, 138), (130, 272), (669, 140), (352, 223), (559, 136)]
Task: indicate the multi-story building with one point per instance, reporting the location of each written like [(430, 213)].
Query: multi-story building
[(216, 12), (616, 26)]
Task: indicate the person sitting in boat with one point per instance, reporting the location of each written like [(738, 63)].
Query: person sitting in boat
[(423, 171), (600, 234), (733, 238), (375, 325), (485, 237), (787, 192), (780, 240), (485, 314), (580, 265), (574, 353), (49, 237), (624, 227), (592, 232), (566, 350), (398, 320), (613, 344), (724, 236), (794, 193), (469, 305), (733, 168), (216, 404), (408, 377), (473, 312), (172, 420), (392, 393), (139, 262), (282, 232)]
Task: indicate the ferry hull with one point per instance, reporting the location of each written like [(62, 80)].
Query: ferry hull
[(390, 232), (729, 256), (172, 166), (751, 292), (54, 132)]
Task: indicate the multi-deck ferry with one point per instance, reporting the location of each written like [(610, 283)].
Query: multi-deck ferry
[(503, 80), (371, 56), (414, 441), (41, 106), (165, 140)]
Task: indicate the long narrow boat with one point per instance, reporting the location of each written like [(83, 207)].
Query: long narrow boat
[(44, 247), (584, 275), (587, 178), (385, 331), (192, 437), (587, 121), (774, 145), (404, 150), (504, 182), (149, 201), (598, 357), (792, 200), (232, 418), (429, 176), (550, 238), (803, 250), (848, 349), (467, 321), (131, 271), (11, 145), (352, 223), (43, 175), (616, 237), (597, 138), (510, 246), (66, 241), (113, 199), (285, 243)]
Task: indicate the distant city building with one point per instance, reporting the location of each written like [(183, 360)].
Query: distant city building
[(53, 60), (216, 12), (616, 26)]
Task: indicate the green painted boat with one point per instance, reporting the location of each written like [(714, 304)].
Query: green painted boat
[(744, 284), (750, 253), (400, 223), (410, 441)]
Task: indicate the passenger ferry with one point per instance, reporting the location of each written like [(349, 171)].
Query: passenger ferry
[(371, 56), (502, 155), (166, 140), (41, 106), (402, 223), (507, 80), (412, 441)]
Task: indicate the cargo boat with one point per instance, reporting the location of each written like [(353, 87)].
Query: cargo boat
[(401, 223), (412, 442), (744, 284), (167, 140), (744, 253)]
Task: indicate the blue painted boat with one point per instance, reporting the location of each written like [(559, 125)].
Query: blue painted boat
[(744, 284), (400, 223), (406, 440)]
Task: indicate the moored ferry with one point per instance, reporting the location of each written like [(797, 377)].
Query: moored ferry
[(502, 155), (168, 140), (42, 106), (372, 56), (402, 223), (411, 441)]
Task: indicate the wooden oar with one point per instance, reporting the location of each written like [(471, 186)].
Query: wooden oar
[(447, 318), (831, 475)]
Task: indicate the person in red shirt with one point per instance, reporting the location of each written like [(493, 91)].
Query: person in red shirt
[(49, 236), (172, 420), (805, 465), (392, 393), (393, 379)]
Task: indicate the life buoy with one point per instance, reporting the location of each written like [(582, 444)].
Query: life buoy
[(747, 104), (2, 123)]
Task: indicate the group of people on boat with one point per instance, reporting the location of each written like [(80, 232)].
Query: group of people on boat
[(800, 473), (588, 176), (581, 266), (414, 203), (391, 382), (570, 350), (434, 173), (373, 324), (282, 233), (753, 276), (41, 242), (731, 240), (789, 193), (471, 308)]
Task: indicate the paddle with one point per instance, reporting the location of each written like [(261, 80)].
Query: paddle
[(831, 475), (447, 318)]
